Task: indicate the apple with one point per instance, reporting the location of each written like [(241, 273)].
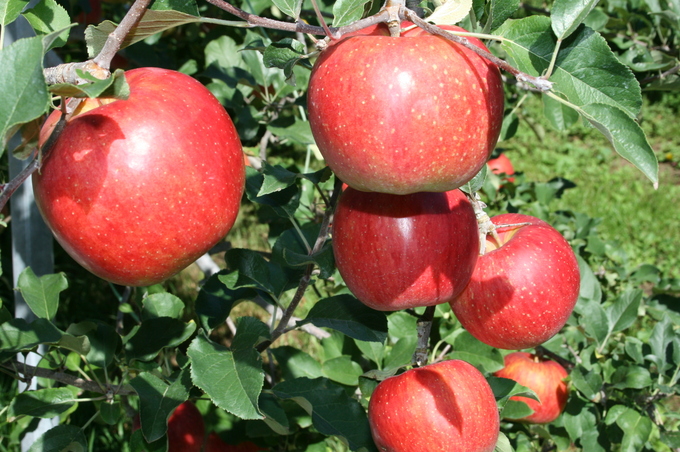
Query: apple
[(442, 407), (186, 430), (215, 444), (135, 190), (523, 289), (502, 165), (545, 377), (404, 251), (404, 115)]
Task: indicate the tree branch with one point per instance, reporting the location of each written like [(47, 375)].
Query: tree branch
[(424, 327)]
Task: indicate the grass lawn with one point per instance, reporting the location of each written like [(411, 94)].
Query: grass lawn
[(642, 219)]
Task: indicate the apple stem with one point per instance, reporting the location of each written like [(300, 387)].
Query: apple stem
[(542, 352), (424, 327), (484, 223), (394, 8)]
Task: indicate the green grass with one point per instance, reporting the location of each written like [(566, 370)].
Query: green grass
[(643, 220)]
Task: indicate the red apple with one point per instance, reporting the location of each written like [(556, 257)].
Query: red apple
[(545, 377), (215, 444), (404, 115), (443, 407), (403, 251), (186, 430), (523, 288), (502, 165), (135, 190)]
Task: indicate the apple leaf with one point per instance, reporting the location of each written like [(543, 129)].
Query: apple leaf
[(275, 415), (253, 270), (324, 259), (516, 409), (347, 11), (476, 183), (42, 293), (215, 300), (295, 363), (624, 311), (155, 334), (333, 411), (637, 430), (233, 378), (61, 438), (631, 377), (342, 370), (401, 353), (503, 444), (115, 86), (284, 202), (78, 344), (43, 403), (661, 338), (18, 335), (139, 444), (103, 339), (111, 412), (475, 352), (567, 15), (500, 11), (348, 315), (183, 6), (582, 428), (22, 83), (375, 351), (560, 116), (290, 8), (162, 305), (157, 400), (450, 12), (276, 178), (589, 383), (46, 17), (504, 388), (300, 132), (10, 10)]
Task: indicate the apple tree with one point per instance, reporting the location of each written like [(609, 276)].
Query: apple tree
[(366, 216)]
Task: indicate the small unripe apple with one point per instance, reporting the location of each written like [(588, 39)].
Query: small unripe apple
[(136, 190), (523, 289), (404, 251), (442, 407), (545, 377)]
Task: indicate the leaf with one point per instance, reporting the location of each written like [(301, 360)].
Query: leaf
[(48, 16), (661, 338), (284, 202), (503, 444), (184, 6), (501, 10), (626, 135), (253, 270), (295, 363), (42, 293), (633, 377), (215, 300), (110, 412), (162, 305), (62, 438), (343, 370), (347, 11), (567, 15), (504, 388), (476, 183), (276, 178), (157, 401), (43, 403), (450, 12), (560, 115), (324, 259), (113, 86), (78, 344), (582, 427), (290, 8), (469, 349), (22, 83), (155, 334), (232, 378), (17, 334), (103, 340), (624, 312), (152, 22), (300, 132), (348, 315), (637, 430), (333, 411), (589, 383), (10, 10)]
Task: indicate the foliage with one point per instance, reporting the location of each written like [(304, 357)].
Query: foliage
[(279, 385)]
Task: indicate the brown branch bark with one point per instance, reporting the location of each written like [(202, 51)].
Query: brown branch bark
[(424, 327)]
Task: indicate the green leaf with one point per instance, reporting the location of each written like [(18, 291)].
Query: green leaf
[(162, 305), (476, 183), (593, 319), (48, 16), (501, 10), (567, 15), (103, 339), (113, 86), (588, 382), (10, 10), (347, 11), (44, 403), (450, 12), (232, 378), (62, 438), (633, 377), (475, 352), (637, 430), (110, 412), (503, 444), (295, 363), (22, 83), (284, 202), (42, 293), (215, 300), (299, 132), (516, 409), (276, 178), (183, 6), (275, 415), (157, 400), (375, 351), (343, 370), (280, 53), (253, 270), (78, 344), (401, 353), (624, 311), (155, 334), (289, 7), (661, 338), (348, 315), (503, 389), (333, 411), (324, 259), (560, 116), (17, 334)]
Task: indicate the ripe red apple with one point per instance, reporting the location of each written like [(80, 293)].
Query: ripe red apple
[(523, 288), (404, 115), (186, 430), (403, 251), (502, 165), (545, 377), (215, 444), (442, 407), (135, 190)]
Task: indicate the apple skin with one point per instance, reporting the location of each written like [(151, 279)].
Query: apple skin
[(502, 165), (136, 190), (404, 251), (215, 444), (404, 115), (545, 377), (186, 429), (442, 407), (521, 293)]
